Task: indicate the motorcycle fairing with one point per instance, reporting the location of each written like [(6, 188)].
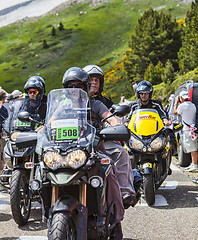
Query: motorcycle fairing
[(145, 122), (19, 105), (66, 121)]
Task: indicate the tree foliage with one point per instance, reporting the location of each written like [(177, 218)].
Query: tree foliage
[(153, 74), (188, 54), (157, 38)]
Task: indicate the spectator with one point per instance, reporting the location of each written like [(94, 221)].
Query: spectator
[(134, 86), (3, 116), (187, 110), (14, 95)]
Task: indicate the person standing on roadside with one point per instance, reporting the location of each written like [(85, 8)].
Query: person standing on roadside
[(184, 107), (3, 117)]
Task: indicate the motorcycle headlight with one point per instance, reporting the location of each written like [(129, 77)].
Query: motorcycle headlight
[(52, 160), (74, 159), (135, 143), (156, 144), (14, 136)]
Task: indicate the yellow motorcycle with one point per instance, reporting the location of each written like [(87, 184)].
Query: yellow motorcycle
[(150, 149)]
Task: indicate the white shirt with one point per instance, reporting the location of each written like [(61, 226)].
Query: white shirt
[(187, 110)]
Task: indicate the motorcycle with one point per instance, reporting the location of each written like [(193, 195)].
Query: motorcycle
[(74, 176), (150, 149), (20, 162)]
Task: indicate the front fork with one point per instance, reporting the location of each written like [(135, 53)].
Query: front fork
[(81, 208)]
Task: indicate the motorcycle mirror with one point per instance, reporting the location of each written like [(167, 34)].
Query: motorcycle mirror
[(122, 110), (24, 117)]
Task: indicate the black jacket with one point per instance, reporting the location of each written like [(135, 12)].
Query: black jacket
[(106, 101), (155, 104)]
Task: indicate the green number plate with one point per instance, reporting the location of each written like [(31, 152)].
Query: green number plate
[(22, 124), (66, 133)]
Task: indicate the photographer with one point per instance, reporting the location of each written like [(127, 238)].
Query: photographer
[(187, 110), (3, 116)]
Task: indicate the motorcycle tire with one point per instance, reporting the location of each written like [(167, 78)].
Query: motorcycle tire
[(184, 158), (19, 196), (149, 189), (63, 226)]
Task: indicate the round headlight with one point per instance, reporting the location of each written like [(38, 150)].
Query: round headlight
[(135, 143), (52, 160), (14, 136), (156, 144), (76, 159)]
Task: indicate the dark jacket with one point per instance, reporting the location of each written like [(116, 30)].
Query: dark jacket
[(3, 116), (106, 101), (155, 104)]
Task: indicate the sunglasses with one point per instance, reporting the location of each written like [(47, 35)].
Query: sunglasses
[(76, 85), (35, 92), (141, 93)]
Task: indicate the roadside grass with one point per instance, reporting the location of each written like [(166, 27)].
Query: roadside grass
[(90, 35)]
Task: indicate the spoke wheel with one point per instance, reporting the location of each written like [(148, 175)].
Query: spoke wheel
[(19, 196)]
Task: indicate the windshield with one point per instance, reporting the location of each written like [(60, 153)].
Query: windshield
[(20, 105), (66, 120), (145, 122)]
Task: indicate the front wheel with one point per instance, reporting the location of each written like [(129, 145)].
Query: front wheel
[(63, 227), (149, 189), (19, 196)]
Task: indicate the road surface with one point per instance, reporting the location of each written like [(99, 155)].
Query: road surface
[(173, 216), (13, 10)]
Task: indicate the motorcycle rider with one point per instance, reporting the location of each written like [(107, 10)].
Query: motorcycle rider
[(97, 81), (113, 148), (35, 90), (144, 92), (78, 78), (40, 79)]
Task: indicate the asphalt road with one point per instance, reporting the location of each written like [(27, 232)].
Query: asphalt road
[(13, 10), (173, 217)]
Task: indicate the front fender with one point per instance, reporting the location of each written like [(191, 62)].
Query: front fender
[(65, 204), (147, 168)]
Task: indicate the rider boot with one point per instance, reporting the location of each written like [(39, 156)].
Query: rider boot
[(116, 233)]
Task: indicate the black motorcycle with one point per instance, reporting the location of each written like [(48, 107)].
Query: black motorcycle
[(22, 161), (74, 179)]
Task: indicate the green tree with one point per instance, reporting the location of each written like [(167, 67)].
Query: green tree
[(53, 31), (188, 54), (153, 74), (156, 38), (61, 27), (45, 45), (168, 75)]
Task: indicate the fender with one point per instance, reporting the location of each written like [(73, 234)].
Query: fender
[(147, 168), (65, 204), (68, 204)]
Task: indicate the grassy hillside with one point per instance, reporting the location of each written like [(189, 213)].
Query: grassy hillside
[(90, 35)]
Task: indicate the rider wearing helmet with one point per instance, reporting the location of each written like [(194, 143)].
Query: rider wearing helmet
[(97, 81), (144, 92), (40, 79), (34, 90), (78, 78)]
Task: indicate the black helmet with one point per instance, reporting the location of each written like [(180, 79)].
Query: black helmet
[(34, 83), (94, 70), (76, 74), (40, 79), (144, 86)]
